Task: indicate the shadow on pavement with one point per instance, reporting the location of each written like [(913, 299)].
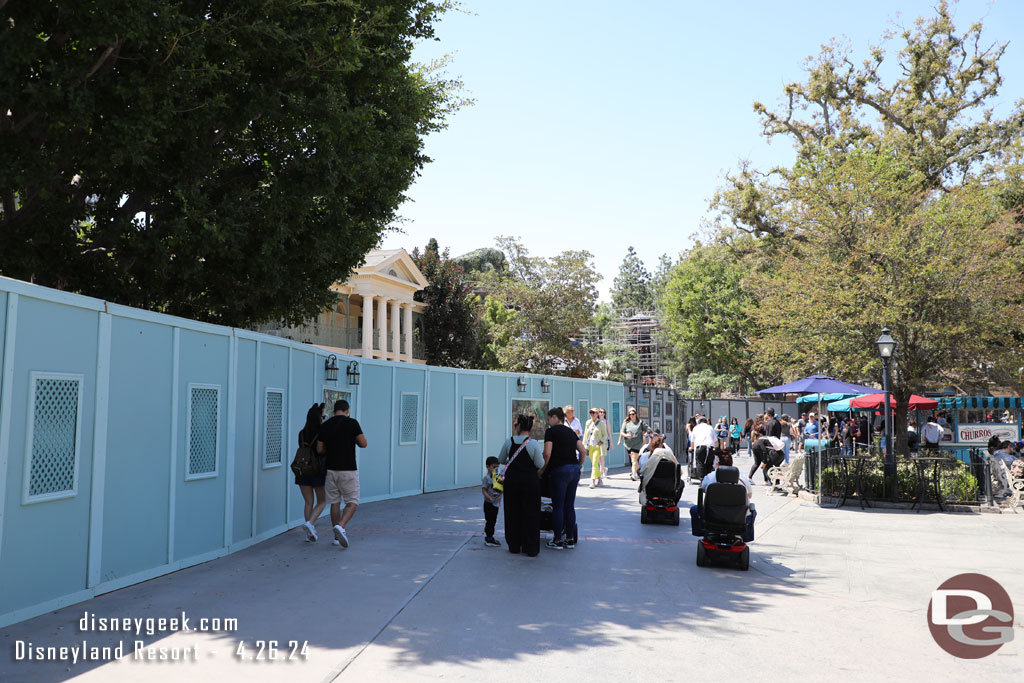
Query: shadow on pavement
[(420, 586)]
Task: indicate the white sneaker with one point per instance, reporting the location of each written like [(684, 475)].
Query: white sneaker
[(310, 532), (600, 482), (592, 484), (340, 537)]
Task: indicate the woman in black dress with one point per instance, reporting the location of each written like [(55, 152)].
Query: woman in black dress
[(311, 485)]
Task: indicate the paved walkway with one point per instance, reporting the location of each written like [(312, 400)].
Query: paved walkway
[(833, 594)]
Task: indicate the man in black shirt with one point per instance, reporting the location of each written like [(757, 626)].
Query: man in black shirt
[(337, 440), (772, 427)]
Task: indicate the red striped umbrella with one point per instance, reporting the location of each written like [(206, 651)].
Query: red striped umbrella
[(875, 401)]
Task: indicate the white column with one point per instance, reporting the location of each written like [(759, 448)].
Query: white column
[(407, 310), (396, 339), (382, 326), (367, 326)]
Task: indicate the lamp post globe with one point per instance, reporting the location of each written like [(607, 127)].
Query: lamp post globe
[(886, 345)]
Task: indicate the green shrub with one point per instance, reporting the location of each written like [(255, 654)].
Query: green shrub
[(958, 484), (831, 482)]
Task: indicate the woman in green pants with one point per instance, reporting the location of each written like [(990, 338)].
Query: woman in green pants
[(595, 436)]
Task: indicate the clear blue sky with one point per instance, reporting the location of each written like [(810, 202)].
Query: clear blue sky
[(600, 125)]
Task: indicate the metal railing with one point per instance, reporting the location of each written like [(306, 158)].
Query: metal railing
[(963, 478)]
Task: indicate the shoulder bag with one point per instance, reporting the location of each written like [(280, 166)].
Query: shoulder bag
[(498, 481)]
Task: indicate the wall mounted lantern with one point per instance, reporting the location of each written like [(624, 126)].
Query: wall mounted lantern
[(632, 390), (352, 372), (331, 368), (647, 391), (521, 383), (545, 385)]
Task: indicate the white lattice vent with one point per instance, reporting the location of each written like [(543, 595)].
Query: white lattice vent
[(410, 418), (470, 420), (273, 439), (56, 412), (203, 430)]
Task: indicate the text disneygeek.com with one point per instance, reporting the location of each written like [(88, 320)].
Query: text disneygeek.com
[(138, 650)]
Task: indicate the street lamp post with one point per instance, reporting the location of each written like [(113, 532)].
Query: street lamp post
[(886, 348)]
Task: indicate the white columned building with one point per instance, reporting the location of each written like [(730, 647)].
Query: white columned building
[(388, 278)]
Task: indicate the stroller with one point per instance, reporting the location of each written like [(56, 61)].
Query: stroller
[(722, 511), (546, 519), (659, 499)]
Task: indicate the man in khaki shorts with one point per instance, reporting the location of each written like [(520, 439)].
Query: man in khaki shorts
[(337, 440)]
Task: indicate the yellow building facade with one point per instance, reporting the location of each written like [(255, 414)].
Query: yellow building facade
[(376, 315)]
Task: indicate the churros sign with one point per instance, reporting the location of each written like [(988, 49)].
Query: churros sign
[(981, 433)]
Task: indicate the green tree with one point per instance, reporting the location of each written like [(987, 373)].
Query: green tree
[(226, 162), (481, 261), (660, 278), (707, 383), (552, 301), (451, 325), (497, 327), (881, 248), (616, 359), (631, 290), (707, 311), (891, 214)]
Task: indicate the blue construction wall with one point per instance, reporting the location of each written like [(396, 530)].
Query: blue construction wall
[(133, 444)]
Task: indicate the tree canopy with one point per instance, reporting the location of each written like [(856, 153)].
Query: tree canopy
[(222, 161), (901, 209), (631, 290), (707, 310), (541, 306), (451, 325)]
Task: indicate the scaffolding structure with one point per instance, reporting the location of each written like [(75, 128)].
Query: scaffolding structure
[(640, 331)]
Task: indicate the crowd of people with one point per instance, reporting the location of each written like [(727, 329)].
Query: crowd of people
[(525, 468)]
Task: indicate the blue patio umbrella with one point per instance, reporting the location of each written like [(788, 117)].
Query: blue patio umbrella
[(819, 384), (822, 384), (839, 406)]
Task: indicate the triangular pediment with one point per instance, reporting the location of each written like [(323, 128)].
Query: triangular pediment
[(395, 264)]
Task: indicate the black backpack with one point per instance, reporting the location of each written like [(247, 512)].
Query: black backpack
[(307, 464)]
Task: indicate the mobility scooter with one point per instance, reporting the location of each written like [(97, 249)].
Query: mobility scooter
[(722, 514)]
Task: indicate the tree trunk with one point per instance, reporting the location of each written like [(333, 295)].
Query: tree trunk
[(899, 425), (901, 396)]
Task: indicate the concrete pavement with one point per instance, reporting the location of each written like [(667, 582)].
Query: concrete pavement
[(830, 593)]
